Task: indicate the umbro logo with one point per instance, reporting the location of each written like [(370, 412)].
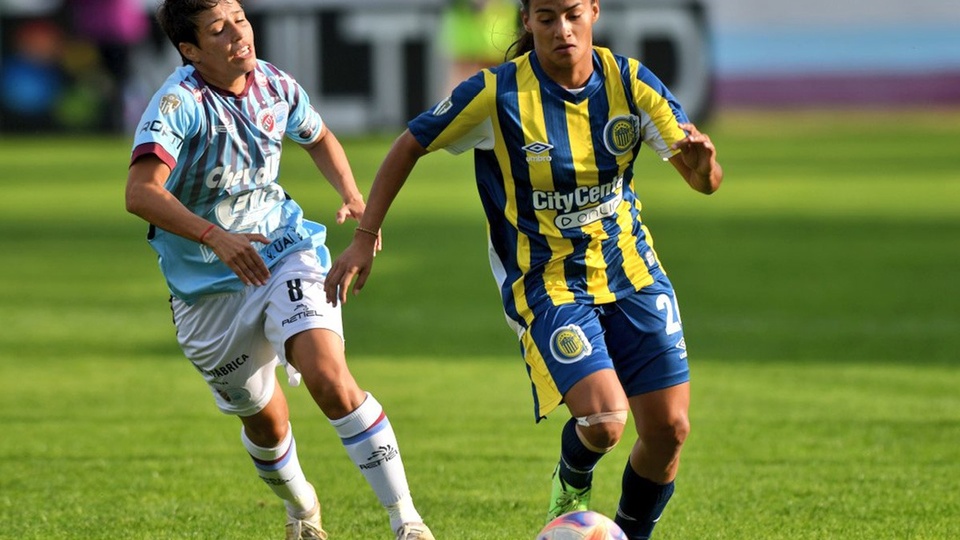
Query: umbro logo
[(537, 147)]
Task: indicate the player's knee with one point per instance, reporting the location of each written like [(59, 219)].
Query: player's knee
[(266, 434), (336, 397), (671, 432), (604, 437), (675, 439), (602, 431), (680, 429)]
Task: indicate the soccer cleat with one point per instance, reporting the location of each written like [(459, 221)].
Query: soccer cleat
[(565, 498), (306, 528), (414, 531)]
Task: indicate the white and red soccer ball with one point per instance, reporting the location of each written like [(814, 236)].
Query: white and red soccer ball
[(581, 525)]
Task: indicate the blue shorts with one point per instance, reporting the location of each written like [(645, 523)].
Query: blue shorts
[(640, 336)]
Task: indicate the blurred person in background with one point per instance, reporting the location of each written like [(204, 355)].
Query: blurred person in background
[(243, 265), (114, 27), (32, 77), (555, 133), (477, 34)]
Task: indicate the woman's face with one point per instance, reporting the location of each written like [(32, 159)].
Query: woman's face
[(562, 32), (224, 53)]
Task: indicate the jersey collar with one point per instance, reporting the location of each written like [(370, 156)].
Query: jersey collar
[(594, 83)]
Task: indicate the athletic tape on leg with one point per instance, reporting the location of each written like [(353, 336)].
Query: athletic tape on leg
[(614, 417)]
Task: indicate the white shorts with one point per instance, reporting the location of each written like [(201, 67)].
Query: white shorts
[(236, 340)]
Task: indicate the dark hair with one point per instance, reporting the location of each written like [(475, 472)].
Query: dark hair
[(524, 42), (178, 19)]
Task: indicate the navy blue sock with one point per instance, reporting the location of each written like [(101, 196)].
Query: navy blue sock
[(641, 504), (576, 460)]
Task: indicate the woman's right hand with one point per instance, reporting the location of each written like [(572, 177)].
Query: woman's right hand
[(237, 252), (355, 262)]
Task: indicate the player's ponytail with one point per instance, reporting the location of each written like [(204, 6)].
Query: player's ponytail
[(521, 46), (524, 42)]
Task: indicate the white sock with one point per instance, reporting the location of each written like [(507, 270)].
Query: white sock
[(367, 435), (280, 469)]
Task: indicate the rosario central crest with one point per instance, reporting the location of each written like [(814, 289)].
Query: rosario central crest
[(621, 134)]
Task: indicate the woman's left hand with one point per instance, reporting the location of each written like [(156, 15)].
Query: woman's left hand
[(697, 160)]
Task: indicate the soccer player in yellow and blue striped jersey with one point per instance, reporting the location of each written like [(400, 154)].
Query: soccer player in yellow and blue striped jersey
[(555, 133)]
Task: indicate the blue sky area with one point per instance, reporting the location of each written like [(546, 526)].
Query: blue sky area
[(842, 49)]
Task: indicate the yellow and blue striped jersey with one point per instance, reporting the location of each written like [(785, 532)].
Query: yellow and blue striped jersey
[(554, 170)]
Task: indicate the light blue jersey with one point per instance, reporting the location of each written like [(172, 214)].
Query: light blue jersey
[(224, 154)]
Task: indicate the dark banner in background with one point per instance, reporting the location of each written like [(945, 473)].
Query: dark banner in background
[(373, 65), (369, 65)]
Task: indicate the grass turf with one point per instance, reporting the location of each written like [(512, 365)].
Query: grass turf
[(820, 303)]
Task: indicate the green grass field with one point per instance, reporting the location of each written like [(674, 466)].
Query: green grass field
[(821, 304)]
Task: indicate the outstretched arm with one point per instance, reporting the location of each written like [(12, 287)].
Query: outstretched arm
[(697, 160), (357, 259), (328, 155)]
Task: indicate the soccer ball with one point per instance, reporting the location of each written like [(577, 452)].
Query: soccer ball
[(582, 525)]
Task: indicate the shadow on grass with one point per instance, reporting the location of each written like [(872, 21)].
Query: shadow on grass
[(750, 289)]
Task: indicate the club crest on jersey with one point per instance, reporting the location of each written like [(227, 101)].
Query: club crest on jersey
[(538, 148), (169, 103), (569, 344), (266, 120), (621, 134), (273, 120)]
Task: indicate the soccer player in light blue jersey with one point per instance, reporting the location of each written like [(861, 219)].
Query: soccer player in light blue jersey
[(244, 267), (555, 133)]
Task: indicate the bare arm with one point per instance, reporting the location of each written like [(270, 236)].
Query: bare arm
[(328, 155), (357, 259), (147, 198), (697, 161)]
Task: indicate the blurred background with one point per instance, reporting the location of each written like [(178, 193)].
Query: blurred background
[(91, 65)]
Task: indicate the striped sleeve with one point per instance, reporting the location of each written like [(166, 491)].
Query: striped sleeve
[(172, 117), (459, 122), (660, 112)]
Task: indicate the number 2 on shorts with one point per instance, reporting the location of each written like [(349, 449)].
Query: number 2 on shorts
[(669, 304)]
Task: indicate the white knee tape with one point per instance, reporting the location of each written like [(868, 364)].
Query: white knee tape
[(614, 417)]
